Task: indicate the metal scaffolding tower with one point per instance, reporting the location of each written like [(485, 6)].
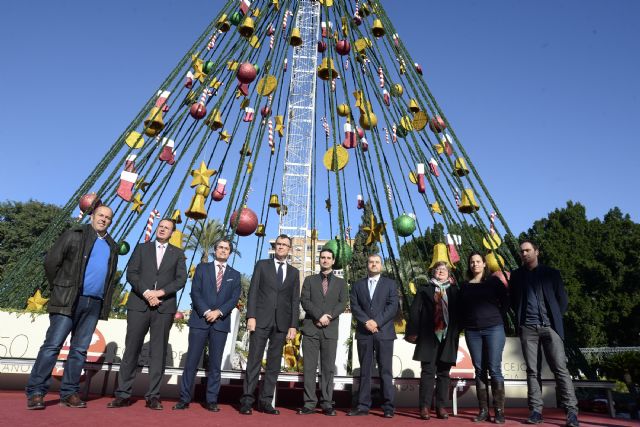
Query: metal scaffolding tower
[(296, 182)]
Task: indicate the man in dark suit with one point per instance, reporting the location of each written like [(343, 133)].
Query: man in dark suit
[(214, 294), (374, 304), (156, 272), (539, 300), (324, 297), (272, 315)]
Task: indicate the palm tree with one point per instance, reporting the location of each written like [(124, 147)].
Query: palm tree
[(203, 235)]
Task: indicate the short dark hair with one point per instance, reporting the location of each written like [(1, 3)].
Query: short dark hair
[(173, 223), (531, 242), (223, 239), (376, 255), (328, 250), (284, 236), (486, 271)]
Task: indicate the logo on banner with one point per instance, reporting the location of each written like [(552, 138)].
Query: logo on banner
[(95, 352)]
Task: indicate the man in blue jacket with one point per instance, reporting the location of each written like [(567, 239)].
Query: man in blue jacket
[(374, 304), (539, 300), (214, 294)]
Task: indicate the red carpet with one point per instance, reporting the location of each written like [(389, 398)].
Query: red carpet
[(13, 412)]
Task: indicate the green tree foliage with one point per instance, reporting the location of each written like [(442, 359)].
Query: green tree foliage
[(203, 235), (21, 223), (600, 265)]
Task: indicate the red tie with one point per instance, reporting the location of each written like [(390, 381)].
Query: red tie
[(219, 277)]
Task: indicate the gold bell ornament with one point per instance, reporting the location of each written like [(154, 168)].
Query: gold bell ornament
[(495, 262), (326, 70), (154, 123), (246, 28), (413, 106), (176, 239), (440, 254), (343, 110), (260, 232), (214, 121), (223, 24), (196, 209), (273, 201), (468, 203), (295, 39), (460, 167), (377, 29)]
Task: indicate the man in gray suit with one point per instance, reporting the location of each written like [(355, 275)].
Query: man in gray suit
[(374, 304), (156, 272), (324, 297), (272, 315)]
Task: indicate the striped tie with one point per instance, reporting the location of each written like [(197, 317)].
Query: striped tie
[(219, 277)]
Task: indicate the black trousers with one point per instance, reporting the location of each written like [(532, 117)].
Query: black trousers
[(368, 348), (257, 343), (434, 372)]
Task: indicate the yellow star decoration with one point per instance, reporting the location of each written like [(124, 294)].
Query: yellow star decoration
[(225, 136), (198, 64), (435, 207), (201, 175), (249, 167), (276, 4), (137, 203), (192, 271), (374, 231), (215, 83), (124, 299), (36, 302), (141, 184)]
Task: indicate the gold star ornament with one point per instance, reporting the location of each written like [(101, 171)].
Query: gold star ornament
[(137, 203), (201, 175), (36, 302), (374, 231)]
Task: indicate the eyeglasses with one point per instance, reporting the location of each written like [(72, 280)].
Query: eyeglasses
[(283, 244), (441, 270)]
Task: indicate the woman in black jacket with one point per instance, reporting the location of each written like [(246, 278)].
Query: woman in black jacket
[(433, 327), (483, 301)]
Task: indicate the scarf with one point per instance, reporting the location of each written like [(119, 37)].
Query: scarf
[(441, 312)]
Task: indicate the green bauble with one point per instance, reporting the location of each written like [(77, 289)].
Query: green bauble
[(404, 225), (401, 131), (235, 18), (208, 67), (123, 248), (341, 251)]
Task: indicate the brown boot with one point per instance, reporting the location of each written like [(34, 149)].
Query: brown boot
[(424, 413)]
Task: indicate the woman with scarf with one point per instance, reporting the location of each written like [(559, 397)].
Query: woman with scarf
[(433, 327), (483, 300)]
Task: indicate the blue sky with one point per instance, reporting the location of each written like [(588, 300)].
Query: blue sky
[(544, 95)]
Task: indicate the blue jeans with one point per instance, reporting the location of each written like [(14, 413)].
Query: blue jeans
[(81, 326), (486, 346)]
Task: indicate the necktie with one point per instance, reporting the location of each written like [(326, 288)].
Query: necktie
[(372, 287), (325, 284), (280, 273), (219, 277), (160, 254)]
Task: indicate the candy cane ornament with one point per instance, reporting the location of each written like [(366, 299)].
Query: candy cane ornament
[(147, 232)]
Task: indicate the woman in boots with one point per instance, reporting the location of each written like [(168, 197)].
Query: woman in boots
[(433, 327), (483, 299)]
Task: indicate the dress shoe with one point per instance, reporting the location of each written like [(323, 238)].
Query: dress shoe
[(535, 418), (357, 413), (35, 402), (245, 410), (73, 401), (330, 412), (424, 414), (211, 406), (442, 413), (572, 420), (268, 409), (388, 413), (306, 411), (119, 402), (181, 405), (155, 404)]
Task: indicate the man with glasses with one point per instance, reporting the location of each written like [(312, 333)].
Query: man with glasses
[(214, 294), (272, 315)]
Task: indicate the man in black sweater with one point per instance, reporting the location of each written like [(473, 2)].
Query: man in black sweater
[(539, 299)]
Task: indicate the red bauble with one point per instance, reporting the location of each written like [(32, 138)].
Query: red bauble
[(360, 133), (322, 46), (246, 73), (343, 47), (179, 315), (89, 202), (198, 110), (265, 111), (247, 224), (436, 124), (500, 275)]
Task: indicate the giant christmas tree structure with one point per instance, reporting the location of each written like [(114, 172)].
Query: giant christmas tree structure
[(286, 116)]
